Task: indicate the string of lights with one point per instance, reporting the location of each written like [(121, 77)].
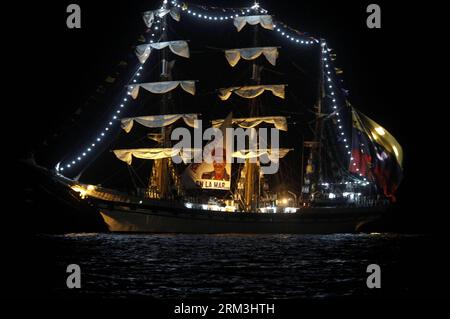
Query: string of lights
[(61, 166), (226, 15), (286, 32), (330, 87), (102, 134), (229, 14)]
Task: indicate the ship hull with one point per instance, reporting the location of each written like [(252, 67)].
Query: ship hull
[(308, 221), (123, 213)]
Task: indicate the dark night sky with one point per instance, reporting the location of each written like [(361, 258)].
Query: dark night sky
[(62, 68)]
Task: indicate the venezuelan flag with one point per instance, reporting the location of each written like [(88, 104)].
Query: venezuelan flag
[(376, 154)]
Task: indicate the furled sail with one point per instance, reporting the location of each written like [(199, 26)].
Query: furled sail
[(376, 154), (279, 122), (273, 154), (158, 120), (180, 48), (126, 155), (250, 92), (234, 55), (264, 20), (161, 87), (150, 16)]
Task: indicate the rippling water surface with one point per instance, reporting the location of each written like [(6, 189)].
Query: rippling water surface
[(222, 266)]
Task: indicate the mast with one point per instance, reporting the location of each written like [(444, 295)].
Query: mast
[(161, 167), (249, 184), (316, 151), (252, 175)]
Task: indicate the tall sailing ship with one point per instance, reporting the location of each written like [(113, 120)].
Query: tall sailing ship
[(337, 171)]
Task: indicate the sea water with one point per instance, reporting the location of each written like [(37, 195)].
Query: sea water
[(234, 266)]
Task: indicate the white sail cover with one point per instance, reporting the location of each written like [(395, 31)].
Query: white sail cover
[(234, 55), (158, 120), (161, 87), (180, 48), (250, 92), (264, 20), (154, 154), (150, 16), (279, 122), (273, 154)]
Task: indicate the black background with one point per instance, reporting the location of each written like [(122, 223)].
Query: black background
[(55, 70)]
